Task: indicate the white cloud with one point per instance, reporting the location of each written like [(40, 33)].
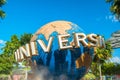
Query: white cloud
[(112, 18), (115, 59), (2, 42)]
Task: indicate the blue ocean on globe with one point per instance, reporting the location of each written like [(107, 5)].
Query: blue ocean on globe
[(59, 61)]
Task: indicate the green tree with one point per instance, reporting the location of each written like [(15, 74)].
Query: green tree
[(102, 54), (11, 45), (115, 7), (2, 13), (110, 68), (6, 64), (117, 69), (25, 38), (7, 58)]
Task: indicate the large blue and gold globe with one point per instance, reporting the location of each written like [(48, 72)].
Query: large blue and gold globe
[(73, 63)]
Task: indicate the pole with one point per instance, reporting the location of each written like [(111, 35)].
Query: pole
[(100, 72)]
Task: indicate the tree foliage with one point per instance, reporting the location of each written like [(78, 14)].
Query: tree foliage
[(11, 45), (115, 7), (2, 13), (6, 64), (110, 69), (101, 55), (7, 57), (25, 38)]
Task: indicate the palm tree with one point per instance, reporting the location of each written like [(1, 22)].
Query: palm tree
[(2, 13), (101, 55), (115, 7)]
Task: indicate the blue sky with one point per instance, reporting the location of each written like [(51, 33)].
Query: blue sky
[(26, 16)]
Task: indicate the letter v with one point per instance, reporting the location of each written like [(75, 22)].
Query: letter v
[(44, 47)]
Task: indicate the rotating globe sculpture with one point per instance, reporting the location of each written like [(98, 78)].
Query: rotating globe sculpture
[(73, 63)]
